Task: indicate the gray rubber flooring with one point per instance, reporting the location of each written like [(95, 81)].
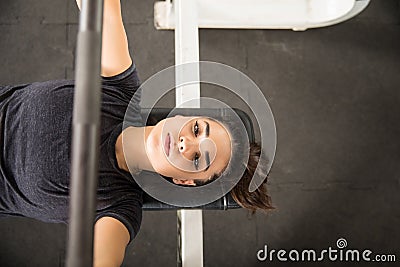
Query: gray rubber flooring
[(335, 95)]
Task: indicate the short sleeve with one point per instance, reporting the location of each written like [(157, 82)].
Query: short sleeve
[(127, 81), (126, 87), (128, 211)]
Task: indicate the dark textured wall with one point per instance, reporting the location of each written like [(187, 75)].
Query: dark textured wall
[(335, 94)]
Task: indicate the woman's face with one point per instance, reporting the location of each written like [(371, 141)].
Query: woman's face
[(187, 148)]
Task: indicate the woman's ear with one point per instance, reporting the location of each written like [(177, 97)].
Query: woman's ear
[(184, 182)]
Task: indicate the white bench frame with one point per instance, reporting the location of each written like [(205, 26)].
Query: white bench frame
[(297, 15)]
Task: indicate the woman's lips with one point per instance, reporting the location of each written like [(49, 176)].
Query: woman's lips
[(167, 144), (171, 143)]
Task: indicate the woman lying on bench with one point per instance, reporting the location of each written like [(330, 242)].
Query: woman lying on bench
[(36, 122)]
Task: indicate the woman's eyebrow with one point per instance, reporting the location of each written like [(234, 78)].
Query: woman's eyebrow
[(206, 153), (207, 130), (207, 157)]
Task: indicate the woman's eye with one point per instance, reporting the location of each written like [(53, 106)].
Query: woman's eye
[(196, 161), (196, 129)]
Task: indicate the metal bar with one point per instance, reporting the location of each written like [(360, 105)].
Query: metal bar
[(190, 222), (85, 137)]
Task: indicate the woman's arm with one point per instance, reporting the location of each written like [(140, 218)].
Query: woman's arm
[(115, 57), (110, 240)]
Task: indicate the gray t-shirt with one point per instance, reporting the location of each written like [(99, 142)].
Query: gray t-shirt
[(35, 137)]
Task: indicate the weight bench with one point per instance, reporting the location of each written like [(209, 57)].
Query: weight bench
[(185, 17), (190, 239)]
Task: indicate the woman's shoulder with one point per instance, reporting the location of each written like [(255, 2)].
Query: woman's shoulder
[(126, 82)]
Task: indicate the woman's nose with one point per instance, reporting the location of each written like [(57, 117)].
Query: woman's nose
[(185, 144)]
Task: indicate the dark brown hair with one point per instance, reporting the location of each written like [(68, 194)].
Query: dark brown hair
[(258, 199), (252, 201)]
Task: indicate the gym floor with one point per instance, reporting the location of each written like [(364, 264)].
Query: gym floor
[(335, 96)]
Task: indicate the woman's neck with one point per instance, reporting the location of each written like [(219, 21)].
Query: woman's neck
[(130, 149)]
